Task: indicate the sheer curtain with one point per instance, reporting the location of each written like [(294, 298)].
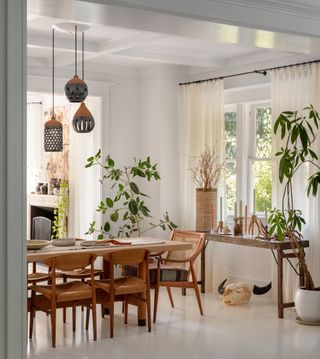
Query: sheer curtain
[(202, 123), (35, 123), (85, 189), (293, 89)]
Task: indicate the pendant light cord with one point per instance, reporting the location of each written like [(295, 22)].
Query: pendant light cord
[(52, 72), (82, 55), (75, 49)]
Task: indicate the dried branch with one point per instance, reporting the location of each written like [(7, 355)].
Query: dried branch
[(207, 171)]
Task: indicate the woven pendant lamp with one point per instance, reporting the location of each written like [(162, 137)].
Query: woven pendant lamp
[(53, 130), (76, 89)]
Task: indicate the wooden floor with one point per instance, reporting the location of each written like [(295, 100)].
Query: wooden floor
[(243, 332)]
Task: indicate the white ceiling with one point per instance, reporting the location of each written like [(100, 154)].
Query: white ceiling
[(173, 40)]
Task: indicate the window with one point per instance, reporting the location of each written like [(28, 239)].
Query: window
[(248, 155), (262, 158), (231, 151)]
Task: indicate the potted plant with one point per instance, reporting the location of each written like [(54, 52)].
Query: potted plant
[(60, 220), (205, 175), (298, 130), (126, 203)]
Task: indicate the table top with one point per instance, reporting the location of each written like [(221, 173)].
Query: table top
[(253, 241), (154, 245)]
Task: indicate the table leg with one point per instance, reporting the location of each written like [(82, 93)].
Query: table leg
[(301, 273), (280, 283), (106, 275), (142, 307)]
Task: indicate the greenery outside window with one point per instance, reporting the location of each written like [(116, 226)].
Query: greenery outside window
[(261, 158), (230, 123)]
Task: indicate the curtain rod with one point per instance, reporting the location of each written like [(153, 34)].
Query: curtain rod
[(34, 103), (261, 72)]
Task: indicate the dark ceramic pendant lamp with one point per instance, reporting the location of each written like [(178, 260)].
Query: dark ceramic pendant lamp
[(83, 121), (53, 130), (76, 89)]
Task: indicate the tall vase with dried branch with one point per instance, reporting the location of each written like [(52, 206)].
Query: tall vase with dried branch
[(206, 173)]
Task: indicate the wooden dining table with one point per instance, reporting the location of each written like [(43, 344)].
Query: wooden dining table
[(153, 245)]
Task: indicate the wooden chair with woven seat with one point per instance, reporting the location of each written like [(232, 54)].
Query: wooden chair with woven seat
[(131, 287), (74, 293), (79, 274), (178, 276)]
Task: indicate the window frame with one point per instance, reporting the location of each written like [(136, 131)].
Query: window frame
[(245, 151)]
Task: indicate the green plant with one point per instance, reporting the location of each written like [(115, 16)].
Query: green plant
[(126, 203), (298, 131), (59, 225)]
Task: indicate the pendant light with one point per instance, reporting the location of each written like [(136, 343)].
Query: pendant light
[(53, 131), (76, 89), (83, 121)]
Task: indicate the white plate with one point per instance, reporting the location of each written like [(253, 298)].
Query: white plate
[(94, 244), (62, 242), (37, 243)]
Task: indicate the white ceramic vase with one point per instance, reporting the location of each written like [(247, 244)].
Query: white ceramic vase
[(307, 303)]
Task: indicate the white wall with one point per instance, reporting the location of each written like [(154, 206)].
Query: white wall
[(159, 126)]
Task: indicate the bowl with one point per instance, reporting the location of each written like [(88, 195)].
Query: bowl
[(63, 242), (37, 243)]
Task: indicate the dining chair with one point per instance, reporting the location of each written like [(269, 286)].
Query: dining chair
[(73, 293), (130, 287), (78, 274), (176, 269)]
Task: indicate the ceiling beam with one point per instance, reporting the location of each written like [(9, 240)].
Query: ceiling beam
[(44, 42), (172, 59), (112, 47), (209, 28)]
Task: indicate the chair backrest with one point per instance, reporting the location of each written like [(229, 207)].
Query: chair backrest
[(197, 239), (71, 261), (41, 228), (132, 256)]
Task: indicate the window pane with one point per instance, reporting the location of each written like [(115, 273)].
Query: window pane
[(230, 184), (263, 132), (231, 147), (263, 184), (230, 134)]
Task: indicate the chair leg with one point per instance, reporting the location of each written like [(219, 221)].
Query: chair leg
[(87, 317), (64, 310), (111, 314), (73, 318), (125, 309), (102, 311), (94, 319), (196, 289), (170, 296), (148, 310), (53, 324), (32, 315), (155, 304)]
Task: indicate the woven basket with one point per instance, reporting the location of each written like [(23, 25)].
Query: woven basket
[(204, 202)]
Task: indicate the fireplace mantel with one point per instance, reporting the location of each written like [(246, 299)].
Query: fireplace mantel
[(39, 200), (42, 200)]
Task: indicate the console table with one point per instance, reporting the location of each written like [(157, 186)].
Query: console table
[(282, 249)]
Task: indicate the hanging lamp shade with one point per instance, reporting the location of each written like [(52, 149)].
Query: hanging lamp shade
[(53, 130), (76, 89), (53, 136), (83, 121)]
